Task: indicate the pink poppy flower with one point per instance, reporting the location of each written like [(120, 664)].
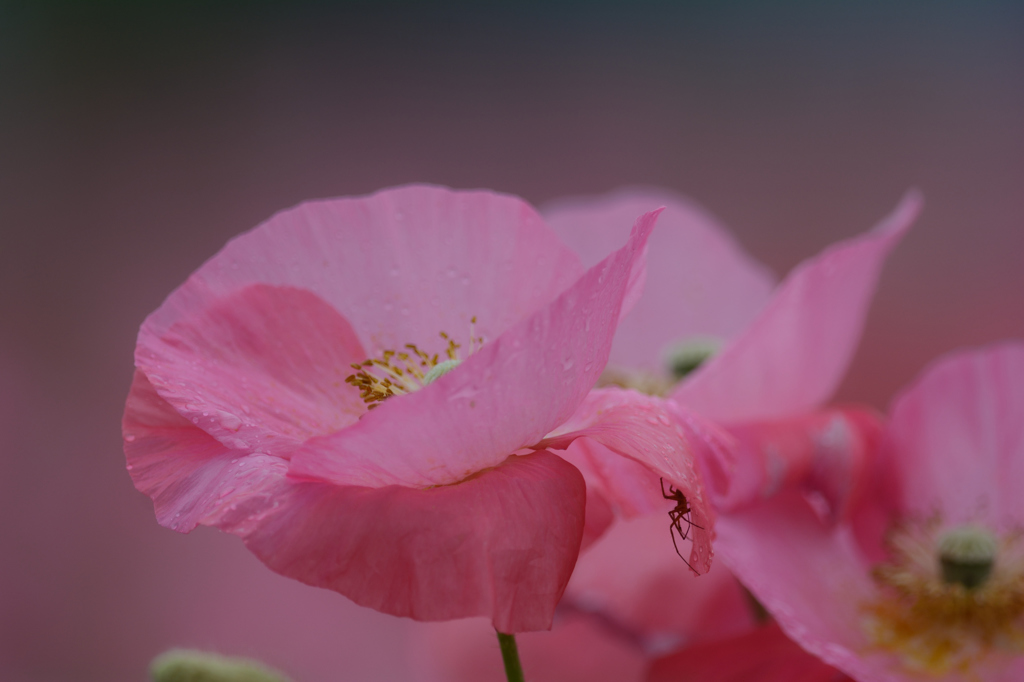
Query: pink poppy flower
[(715, 336), (926, 580), (413, 484)]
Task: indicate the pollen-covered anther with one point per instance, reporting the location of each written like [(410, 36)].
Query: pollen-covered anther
[(949, 599), (398, 372)]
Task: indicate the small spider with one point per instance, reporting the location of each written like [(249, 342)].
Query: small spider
[(680, 513)]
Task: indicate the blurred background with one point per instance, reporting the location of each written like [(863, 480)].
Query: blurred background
[(137, 137)]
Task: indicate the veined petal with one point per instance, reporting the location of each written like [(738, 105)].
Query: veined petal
[(505, 397), (699, 280), (261, 370), (501, 544), (662, 437), (400, 265), (959, 435), (793, 356), (191, 477), (811, 577)]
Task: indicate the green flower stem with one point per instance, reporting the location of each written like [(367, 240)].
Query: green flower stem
[(510, 655)]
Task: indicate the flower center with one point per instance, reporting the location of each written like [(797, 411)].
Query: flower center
[(944, 602), (405, 371), (685, 357), (680, 360), (966, 555)]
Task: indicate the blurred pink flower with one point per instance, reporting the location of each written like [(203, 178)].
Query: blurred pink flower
[(630, 614), (713, 334), (927, 576), (245, 412), (776, 356)]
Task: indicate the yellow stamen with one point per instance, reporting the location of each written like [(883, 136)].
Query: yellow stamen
[(399, 372), (937, 621)]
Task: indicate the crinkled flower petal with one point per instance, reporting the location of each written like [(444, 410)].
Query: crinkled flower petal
[(794, 354), (699, 281), (662, 437), (399, 265)]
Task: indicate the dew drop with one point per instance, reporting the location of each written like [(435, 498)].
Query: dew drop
[(129, 437), (229, 421)]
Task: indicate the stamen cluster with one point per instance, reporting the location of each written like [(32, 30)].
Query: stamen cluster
[(937, 625), (404, 371)]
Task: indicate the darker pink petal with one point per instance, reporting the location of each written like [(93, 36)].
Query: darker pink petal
[(699, 281), (764, 655), (661, 437), (826, 454), (502, 543), (957, 438), (810, 576), (506, 396), (400, 265), (261, 370), (795, 353)]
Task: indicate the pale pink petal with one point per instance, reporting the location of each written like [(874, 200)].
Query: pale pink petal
[(505, 397), (577, 648), (699, 280), (500, 544), (810, 577), (400, 265), (262, 369), (958, 437), (792, 357), (191, 477), (764, 655), (826, 454), (633, 578), (657, 434)]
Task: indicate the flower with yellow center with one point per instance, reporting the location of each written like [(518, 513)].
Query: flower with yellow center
[(924, 580)]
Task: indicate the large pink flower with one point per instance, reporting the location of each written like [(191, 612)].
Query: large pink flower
[(927, 578), (713, 334), (246, 414)]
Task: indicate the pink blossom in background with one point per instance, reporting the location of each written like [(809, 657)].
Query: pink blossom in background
[(629, 600), (926, 579), (245, 412), (747, 354)]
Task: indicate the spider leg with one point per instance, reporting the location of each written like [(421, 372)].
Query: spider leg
[(671, 531)]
